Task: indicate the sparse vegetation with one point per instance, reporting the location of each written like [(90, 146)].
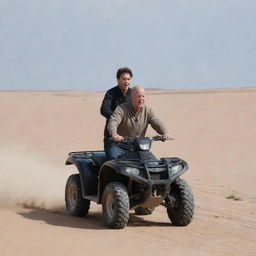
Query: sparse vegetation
[(233, 195)]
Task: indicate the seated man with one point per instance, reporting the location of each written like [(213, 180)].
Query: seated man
[(131, 119), (115, 96)]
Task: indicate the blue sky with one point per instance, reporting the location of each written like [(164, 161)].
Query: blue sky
[(79, 45)]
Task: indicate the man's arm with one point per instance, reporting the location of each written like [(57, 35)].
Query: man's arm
[(114, 122), (157, 125), (105, 109)]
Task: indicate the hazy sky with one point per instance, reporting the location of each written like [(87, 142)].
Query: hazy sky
[(172, 44)]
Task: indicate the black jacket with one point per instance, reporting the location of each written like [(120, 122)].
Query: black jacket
[(112, 99)]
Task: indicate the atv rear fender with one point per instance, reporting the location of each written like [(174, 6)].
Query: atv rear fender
[(88, 175)]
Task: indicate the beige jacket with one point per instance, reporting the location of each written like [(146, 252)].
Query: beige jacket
[(125, 123)]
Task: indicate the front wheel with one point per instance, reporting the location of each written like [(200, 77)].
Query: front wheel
[(181, 213), (75, 203), (115, 205)]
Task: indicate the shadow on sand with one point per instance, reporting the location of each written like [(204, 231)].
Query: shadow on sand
[(94, 220)]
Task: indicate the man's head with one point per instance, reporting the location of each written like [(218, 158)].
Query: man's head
[(123, 77), (138, 97)]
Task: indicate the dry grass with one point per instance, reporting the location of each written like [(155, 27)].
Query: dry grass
[(233, 196)]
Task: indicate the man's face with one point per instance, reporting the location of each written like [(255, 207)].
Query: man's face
[(124, 81), (138, 98)]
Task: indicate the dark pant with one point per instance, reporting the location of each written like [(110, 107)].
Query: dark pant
[(114, 149)]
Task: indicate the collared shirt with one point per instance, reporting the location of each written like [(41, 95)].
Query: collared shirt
[(113, 98), (125, 122)]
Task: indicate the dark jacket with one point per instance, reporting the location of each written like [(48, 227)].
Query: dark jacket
[(112, 99)]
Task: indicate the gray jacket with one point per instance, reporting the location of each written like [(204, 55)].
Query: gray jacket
[(125, 122)]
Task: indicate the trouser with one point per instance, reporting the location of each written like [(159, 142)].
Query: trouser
[(114, 149)]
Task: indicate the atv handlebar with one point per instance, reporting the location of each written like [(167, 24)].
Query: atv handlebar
[(160, 138), (154, 138)]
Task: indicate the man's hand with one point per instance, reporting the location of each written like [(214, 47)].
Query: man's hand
[(117, 138), (166, 136)]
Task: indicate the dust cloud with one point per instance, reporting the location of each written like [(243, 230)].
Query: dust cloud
[(29, 181)]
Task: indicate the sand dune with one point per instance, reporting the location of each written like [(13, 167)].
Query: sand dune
[(214, 132)]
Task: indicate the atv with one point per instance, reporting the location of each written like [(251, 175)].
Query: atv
[(135, 180)]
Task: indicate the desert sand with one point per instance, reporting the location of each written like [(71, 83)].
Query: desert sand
[(214, 132)]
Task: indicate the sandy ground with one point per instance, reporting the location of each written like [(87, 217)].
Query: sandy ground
[(214, 132)]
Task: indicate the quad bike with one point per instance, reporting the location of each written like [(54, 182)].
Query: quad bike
[(136, 180)]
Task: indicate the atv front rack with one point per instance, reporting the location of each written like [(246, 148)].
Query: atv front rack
[(155, 170)]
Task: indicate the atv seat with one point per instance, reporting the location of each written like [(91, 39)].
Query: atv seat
[(99, 157)]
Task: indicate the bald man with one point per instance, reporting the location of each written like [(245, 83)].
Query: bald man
[(131, 119)]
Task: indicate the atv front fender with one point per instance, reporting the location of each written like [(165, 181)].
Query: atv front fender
[(109, 172)]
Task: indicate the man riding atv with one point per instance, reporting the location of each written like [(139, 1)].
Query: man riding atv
[(131, 120), (133, 178)]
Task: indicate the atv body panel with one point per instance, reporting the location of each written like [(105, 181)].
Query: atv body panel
[(141, 168), (136, 179), (88, 164), (155, 176)]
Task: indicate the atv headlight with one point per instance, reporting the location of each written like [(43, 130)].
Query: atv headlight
[(132, 170), (145, 146), (176, 168)]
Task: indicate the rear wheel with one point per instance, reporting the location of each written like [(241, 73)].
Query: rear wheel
[(181, 213), (75, 203), (115, 205), (143, 211)]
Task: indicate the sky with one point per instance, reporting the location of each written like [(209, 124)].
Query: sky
[(168, 44)]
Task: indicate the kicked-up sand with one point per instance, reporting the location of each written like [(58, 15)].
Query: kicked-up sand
[(214, 132)]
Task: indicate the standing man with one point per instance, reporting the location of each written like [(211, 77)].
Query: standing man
[(132, 119), (114, 97)]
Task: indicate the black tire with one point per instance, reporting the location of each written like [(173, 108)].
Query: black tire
[(182, 212), (75, 203), (143, 211), (115, 205)]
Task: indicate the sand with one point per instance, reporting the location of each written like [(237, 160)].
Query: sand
[(214, 132)]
